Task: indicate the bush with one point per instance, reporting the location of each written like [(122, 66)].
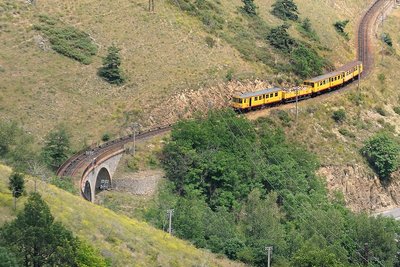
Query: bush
[(67, 40), (106, 137), (345, 132), (381, 110), (285, 10), (387, 39), (210, 42), (381, 77), (340, 26), (339, 115), (397, 110), (279, 38), (249, 7), (65, 183), (229, 75), (306, 62), (382, 152)]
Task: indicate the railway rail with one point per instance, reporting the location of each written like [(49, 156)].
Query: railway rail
[(84, 159)]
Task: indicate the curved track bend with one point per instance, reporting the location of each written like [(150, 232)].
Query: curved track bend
[(83, 160)]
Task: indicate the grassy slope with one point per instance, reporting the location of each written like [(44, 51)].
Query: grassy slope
[(162, 53), (126, 241), (321, 134)]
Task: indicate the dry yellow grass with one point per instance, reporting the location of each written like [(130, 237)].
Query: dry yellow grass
[(162, 54)]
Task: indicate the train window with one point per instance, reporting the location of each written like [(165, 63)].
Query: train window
[(266, 96), (271, 95), (276, 94)]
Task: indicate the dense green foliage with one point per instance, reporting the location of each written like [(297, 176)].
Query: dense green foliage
[(56, 148), (16, 184), (340, 28), (285, 10), (37, 240), (67, 40), (237, 187), (279, 38), (306, 62), (15, 145), (249, 7), (111, 71), (65, 183), (383, 153), (7, 258)]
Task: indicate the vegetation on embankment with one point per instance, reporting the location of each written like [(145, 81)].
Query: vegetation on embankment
[(124, 241), (161, 53), (237, 187)]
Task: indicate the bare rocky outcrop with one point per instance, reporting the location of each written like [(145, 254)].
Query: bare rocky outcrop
[(361, 188)]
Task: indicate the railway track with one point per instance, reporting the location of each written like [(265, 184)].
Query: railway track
[(84, 158)]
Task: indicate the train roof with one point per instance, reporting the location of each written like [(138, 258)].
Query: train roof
[(324, 77), (260, 92), (349, 65), (346, 67)]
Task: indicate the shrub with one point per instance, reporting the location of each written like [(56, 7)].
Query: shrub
[(306, 62), (381, 77), (339, 115), (387, 39), (345, 132), (397, 110), (111, 71), (340, 26), (381, 110), (382, 152), (285, 10), (229, 75), (210, 42), (249, 7), (106, 137), (67, 40), (65, 183), (279, 38), (284, 117)]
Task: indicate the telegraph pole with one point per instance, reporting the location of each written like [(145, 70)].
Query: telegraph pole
[(151, 5), (297, 104), (382, 41), (135, 126), (366, 254), (169, 213), (269, 252)]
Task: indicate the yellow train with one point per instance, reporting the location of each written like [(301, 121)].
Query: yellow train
[(311, 87)]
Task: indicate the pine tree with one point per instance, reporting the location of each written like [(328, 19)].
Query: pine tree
[(34, 237), (16, 184), (111, 71), (249, 7), (56, 148), (285, 9)]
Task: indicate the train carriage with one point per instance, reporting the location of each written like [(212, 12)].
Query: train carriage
[(256, 99)]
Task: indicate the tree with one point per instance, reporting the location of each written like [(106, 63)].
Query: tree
[(37, 239), (306, 62), (279, 38), (16, 184), (7, 258), (111, 71), (249, 7), (382, 152), (285, 10), (56, 148)]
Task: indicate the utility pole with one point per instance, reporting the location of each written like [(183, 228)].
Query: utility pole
[(135, 127), (269, 251), (382, 41), (297, 104), (151, 5), (169, 213)]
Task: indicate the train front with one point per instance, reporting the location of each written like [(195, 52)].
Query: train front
[(237, 103)]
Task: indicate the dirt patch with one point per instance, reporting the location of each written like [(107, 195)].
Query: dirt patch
[(361, 188)]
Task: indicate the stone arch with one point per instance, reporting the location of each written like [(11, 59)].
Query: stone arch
[(103, 180), (88, 191)]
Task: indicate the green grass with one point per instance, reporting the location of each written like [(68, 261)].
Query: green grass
[(126, 241)]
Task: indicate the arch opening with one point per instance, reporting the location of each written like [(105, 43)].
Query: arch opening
[(87, 192), (103, 180)]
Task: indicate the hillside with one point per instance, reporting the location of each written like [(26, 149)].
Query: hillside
[(126, 241), (164, 55)]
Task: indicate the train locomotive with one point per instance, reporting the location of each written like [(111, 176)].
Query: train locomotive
[(310, 88)]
